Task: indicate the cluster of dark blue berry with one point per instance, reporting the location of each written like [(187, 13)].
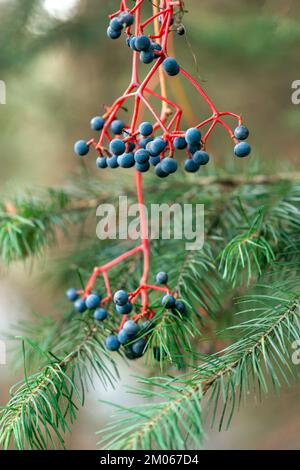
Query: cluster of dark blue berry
[(116, 25)]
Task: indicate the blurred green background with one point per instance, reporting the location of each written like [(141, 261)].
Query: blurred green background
[(60, 69)]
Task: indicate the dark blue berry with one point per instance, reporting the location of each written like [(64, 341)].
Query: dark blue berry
[(154, 160), (162, 278), (92, 301), (144, 142), (155, 46), (97, 123), (168, 301), (141, 156), (193, 148), (157, 146), (101, 162), (180, 143), (112, 161), (146, 327), (171, 67), (100, 314), (241, 133), (156, 353), (131, 146), (146, 129), (80, 306), (142, 43), (112, 343), (112, 34), (115, 24), (81, 148), (190, 166), (117, 126), (138, 347), (159, 171), (129, 353), (126, 160), (142, 167), (117, 147), (132, 43), (193, 136), (124, 309), (242, 149), (123, 337), (200, 157), (169, 165), (180, 307), (131, 328), (72, 295), (121, 297), (126, 18), (146, 57)]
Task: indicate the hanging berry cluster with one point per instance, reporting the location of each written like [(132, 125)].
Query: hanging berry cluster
[(143, 145)]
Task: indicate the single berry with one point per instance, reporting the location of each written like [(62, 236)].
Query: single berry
[(117, 147), (242, 149), (123, 337), (101, 162), (129, 353), (144, 142), (146, 129), (92, 301), (124, 309), (154, 160), (180, 143), (156, 353), (132, 43), (159, 171), (169, 165), (142, 43), (168, 301), (180, 307), (200, 157), (146, 57), (117, 126), (142, 167), (121, 297), (112, 161), (241, 132), (162, 278), (171, 67), (157, 146), (190, 166), (126, 18), (193, 136), (155, 46), (141, 156), (97, 123), (72, 295), (138, 347), (115, 24), (193, 148), (80, 306), (112, 343), (126, 160), (100, 314), (112, 34), (81, 148), (131, 328)]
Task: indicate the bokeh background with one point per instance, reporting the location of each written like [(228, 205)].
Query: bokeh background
[(60, 69)]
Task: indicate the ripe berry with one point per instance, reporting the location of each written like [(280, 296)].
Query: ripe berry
[(171, 67), (241, 133), (155, 46), (100, 314), (159, 171), (146, 327), (112, 34), (169, 165), (157, 146), (126, 160), (132, 43), (92, 301), (142, 43), (117, 126), (124, 309), (81, 148), (168, 301), (180, 307), (131, 146), (180, 143), (112, 343), (129, 353), (141, 156), (146, 57), (242, 149), (117, 147), (115, 24), (162, 278), (193, 148), (72, 295), (154, 160), (193, 136), (97, 123), (131, 328), (121, 297), (200, 157), (123, 337), (146, 129), (143, 142), (80, 306), (138, 347), (112, 161), (126, 18), (142, 167), (101, 162), (190, 166)]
